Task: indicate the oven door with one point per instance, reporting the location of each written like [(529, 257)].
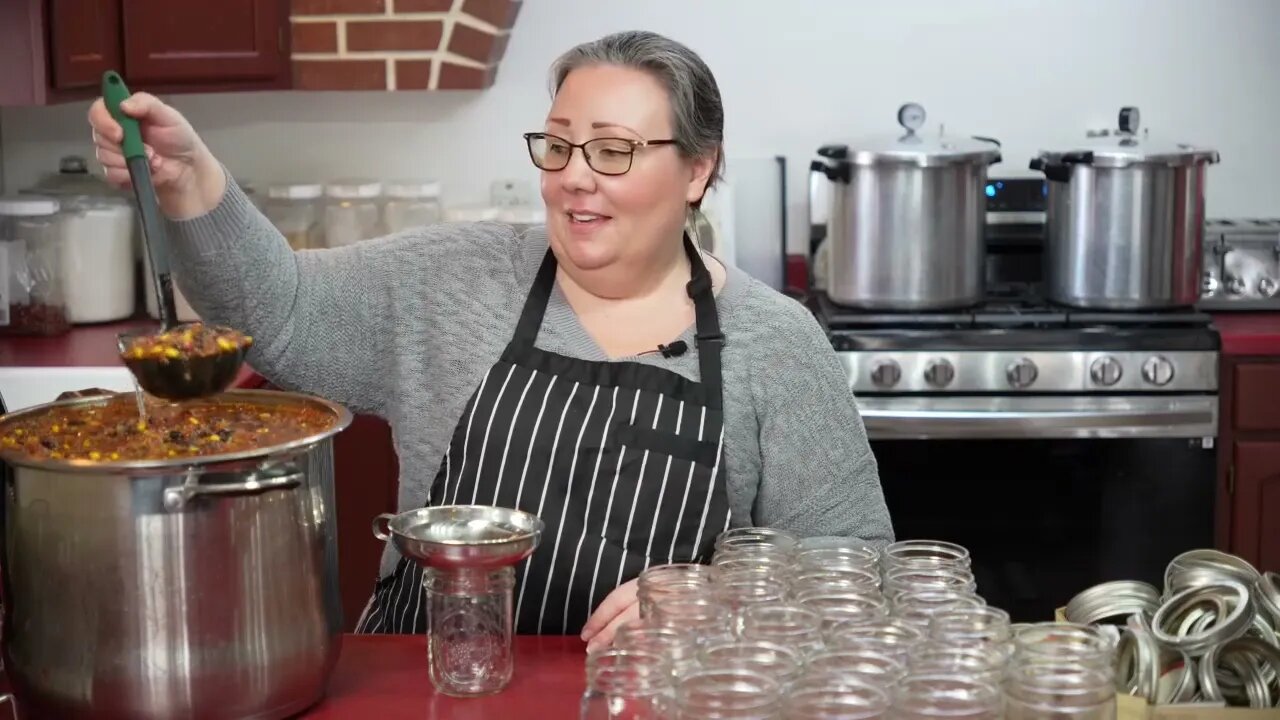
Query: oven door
[(1051, 494)]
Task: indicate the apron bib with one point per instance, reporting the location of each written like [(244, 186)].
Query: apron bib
[(622, 461)]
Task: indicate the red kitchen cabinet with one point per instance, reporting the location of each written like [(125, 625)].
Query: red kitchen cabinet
[(56, 50), (84, 41), (1249, 487), (168, 42)]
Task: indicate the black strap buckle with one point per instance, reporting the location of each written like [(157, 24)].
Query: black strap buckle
[(700, 284), (709, 337)]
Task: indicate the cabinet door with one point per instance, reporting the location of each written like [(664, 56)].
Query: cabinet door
[(84, 41), (1256, 506), (188, 41)]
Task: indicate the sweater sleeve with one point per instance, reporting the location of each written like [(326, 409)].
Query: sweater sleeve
[(819, 477), (323, 321)]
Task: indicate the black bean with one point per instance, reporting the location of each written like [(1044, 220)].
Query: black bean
[(49, 443), (176, 437), (225, 434)]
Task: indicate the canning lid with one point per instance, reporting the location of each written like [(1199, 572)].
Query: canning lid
[(413, 189), (354, 189), (911, 147), (295, 191), (28, 206), (1129, 146)]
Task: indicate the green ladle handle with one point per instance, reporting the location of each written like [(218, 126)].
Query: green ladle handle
[(114, 92)]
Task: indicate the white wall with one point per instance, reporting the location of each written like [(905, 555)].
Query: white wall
[(1034, 73)]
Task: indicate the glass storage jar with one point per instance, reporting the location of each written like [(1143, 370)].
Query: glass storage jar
[(469, 645), (627, 683), (32, 297), (352, 212), (294, 208), (411, 203)]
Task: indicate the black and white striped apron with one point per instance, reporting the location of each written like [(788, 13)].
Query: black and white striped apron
[(621, 460)]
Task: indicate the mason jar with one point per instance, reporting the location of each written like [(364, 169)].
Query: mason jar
[(352, 212), (411, 203), (33, 299), (470, 645), (627, 683), (1058, 691), (294, 208), (728, 694)]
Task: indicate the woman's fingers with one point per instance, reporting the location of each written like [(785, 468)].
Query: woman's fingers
[(604, 638), (620, 599)]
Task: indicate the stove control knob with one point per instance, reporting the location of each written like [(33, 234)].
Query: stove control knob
[(885, 373), (1021, 373), (1267, 287), (1157, 370), (1105, 371), (939, 373)]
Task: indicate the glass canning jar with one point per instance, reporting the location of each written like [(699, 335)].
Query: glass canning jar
[(1058, 691), (626, 683), (925, 696), (411, 203), (469, 645), (661, 581), (728, 694)]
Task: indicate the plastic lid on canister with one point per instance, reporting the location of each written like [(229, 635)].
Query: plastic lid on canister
[(28, 205), (910, 146), (354, 189), (295, 191), (471, 213), (412, 189)]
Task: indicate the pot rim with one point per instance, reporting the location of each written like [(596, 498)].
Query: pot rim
[(342, 420)]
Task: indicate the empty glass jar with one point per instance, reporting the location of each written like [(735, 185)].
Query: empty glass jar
[(777, 661), (785, 623), (1058, 691), (939, 695), (661, 581), (1058, 642), (469, 646), (923, 554), (631, 684), (728, 694), (835, 698), (676, 645)]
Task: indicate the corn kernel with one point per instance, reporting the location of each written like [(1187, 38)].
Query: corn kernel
[(226, 344), (142, 425), (95, 455), (55, 428), (172, 353), (193, 420), (172, 453), (115, 456), (18, 431)]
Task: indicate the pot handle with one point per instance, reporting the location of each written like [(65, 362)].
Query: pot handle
[(379, 522), (13, 703), (837, 172), (179, 496), (998, 157), (1060, 171)]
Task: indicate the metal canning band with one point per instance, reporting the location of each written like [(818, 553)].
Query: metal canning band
[(1176, 626), (1138, 665), (1243, 656), (1205, 566), (1269, 597), (1114, 599)]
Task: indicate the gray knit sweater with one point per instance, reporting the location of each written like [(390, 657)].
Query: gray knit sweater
[(405, 326)]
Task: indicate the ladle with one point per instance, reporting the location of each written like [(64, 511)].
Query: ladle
[(175, 375)]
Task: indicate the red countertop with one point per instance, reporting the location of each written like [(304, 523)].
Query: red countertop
[(1253, 333), (385, 677), (85, 346)]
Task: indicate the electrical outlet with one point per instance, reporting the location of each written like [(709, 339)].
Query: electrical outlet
[(510, 193)]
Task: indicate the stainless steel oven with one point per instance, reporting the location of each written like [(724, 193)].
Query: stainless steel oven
[(1063, 448)]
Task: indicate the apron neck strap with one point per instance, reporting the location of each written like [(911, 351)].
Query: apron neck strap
[(699, 287)]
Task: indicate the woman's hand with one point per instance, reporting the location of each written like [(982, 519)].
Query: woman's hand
[(619, 607), (189, 181)]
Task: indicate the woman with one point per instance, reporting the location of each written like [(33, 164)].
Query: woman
[(600, 371)]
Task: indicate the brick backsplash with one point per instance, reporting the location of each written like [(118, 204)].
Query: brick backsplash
[(399, 44)]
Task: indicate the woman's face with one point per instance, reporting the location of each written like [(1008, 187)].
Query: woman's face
[(626, 221)]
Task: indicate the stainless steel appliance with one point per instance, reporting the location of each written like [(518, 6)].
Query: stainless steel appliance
[(173, 589), (1241, 264), (904, 224), (1125, 220), (1064, 447)]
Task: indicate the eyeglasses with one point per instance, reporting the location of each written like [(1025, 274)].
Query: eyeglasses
[(607, 156)]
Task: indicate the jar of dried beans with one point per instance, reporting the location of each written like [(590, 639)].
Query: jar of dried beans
[(32, 294)]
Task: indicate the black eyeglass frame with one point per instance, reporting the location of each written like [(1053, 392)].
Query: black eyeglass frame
[(529, 137)]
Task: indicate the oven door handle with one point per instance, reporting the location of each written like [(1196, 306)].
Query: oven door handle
[(1039, 417)]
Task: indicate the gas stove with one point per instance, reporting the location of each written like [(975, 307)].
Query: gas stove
[(1018, 366)]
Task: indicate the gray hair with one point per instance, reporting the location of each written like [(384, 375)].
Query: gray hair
[(697, 115)]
